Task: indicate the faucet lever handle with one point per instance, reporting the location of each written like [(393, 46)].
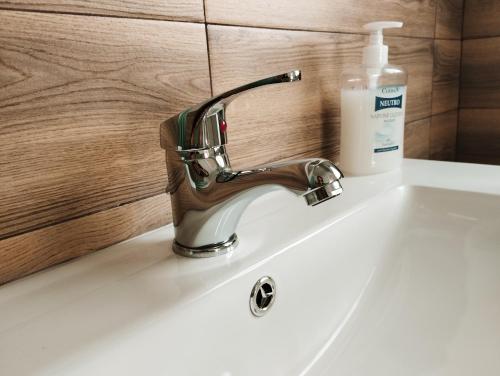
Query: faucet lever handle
[(204, 125)]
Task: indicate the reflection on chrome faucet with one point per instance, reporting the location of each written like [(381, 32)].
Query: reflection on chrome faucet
[(208, 197)]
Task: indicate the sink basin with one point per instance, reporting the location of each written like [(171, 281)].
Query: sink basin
[(423, 287), (399, 276)]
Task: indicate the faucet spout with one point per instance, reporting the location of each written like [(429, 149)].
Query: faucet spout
[(315, 179), (209, 200)]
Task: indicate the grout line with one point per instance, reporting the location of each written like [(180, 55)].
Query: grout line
[(204, 12), (449, 39), (460, 78), (88, 14), (480, 37), (311, 30), (446, 112), (208, 48), (479, 108), (419, 119), (429, 138), (435, 20)]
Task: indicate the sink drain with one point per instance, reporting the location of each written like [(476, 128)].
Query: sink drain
[(262, 296)]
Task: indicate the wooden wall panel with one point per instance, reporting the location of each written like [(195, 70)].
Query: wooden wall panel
[(23, 254), (300, 119), (446, 75), (449, 16), (443, 133), (481, 18), (480, 80), (81, 101), (325, 15), (82, 97), (479, 136), (417, 139), (479, 121), (176, 10)]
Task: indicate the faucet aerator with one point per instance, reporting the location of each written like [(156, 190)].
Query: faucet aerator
[(322, 194)]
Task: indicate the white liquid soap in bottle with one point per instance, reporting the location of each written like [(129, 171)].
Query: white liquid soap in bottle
[(372, 110)]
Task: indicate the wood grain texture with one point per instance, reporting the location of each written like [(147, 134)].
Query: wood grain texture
[(480, 78), (299, 119), (443, 134), (81, 101), (479, 123), (82, 97), (417, 139), (449, 16), (27, 253), (481, 18), (446, 75), (478, 139), (176, 10), (325, 15)]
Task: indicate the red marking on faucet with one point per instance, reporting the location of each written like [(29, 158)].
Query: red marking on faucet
[(223, 126)]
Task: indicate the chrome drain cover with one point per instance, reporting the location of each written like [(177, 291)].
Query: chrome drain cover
[(262, 296)]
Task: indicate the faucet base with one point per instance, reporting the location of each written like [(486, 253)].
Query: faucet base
[(209, 250)]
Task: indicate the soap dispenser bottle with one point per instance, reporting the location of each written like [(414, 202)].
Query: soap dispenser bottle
[(373, 98)]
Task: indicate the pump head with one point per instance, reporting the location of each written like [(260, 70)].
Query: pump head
[(376, 53)]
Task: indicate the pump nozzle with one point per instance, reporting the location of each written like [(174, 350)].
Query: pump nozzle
[(376, 53)]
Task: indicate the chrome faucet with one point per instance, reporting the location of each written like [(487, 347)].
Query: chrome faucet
[(208, 197)]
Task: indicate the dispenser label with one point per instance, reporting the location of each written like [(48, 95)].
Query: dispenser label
[(389, 115), (382, 103)]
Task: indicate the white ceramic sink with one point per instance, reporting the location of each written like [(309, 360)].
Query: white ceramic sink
[(398, 276)]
